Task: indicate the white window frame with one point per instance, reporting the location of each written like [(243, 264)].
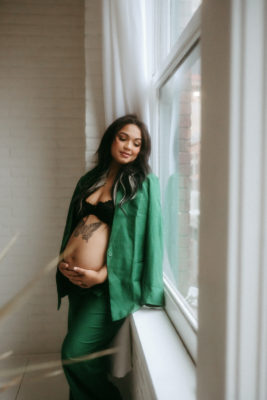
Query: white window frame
[(176, 306), (232, 318), (232, 336)]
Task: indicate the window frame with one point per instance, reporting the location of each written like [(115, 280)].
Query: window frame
[(232, 332), (176, 307), (232, 336)]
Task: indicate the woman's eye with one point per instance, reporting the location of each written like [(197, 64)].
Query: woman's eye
[(122, 139)]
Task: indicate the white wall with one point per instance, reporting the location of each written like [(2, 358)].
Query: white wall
[(95, 123), (42, 151)]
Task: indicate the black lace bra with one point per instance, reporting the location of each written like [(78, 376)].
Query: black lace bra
[(104, 210)]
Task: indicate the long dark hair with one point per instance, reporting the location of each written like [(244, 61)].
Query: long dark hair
[(130, 176)]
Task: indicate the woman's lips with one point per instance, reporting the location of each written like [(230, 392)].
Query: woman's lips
[(126, 155)]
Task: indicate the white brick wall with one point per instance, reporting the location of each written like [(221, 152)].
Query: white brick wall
[(94, 94), (42, 149)]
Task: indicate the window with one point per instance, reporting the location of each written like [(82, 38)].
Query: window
[(232, 332), (179, 140), (181, 12), (177, 89)]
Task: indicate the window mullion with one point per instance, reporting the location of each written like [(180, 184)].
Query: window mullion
[(183, 46)]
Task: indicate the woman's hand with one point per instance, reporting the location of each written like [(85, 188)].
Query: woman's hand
[(87, 278), (66, 270), (83, 277)]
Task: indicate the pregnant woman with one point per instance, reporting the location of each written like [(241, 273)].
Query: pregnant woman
[(112, 253)]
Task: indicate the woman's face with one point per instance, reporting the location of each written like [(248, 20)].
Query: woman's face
[(126, 144)]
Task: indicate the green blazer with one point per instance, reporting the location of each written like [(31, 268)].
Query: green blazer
[(134, 254)]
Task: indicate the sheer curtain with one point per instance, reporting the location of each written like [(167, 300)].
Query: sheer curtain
[(126, 72), (126, 58)]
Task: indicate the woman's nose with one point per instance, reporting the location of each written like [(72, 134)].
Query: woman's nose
[(128, 145)]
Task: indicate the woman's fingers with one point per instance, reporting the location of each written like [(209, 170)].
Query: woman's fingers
[(77, 281), (71, 274), (74, 274), (67, 271), (80, 276), (85, 278), (63, 266), (79, 270)]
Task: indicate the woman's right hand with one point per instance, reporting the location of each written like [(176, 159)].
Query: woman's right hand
[(83, 277), (66, 270)]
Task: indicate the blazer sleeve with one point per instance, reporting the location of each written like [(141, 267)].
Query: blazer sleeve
[(63, 284), (70, 218), (152, 276)]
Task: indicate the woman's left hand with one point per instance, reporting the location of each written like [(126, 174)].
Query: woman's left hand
[(87, 278)]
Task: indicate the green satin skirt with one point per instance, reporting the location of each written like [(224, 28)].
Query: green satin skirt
[(90, 329)]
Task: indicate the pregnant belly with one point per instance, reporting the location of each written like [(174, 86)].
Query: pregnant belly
[(88, 243)]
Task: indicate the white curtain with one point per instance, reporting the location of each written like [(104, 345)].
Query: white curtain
[(125, 58), (126, 72)]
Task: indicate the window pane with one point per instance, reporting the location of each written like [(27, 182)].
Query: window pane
[(179, 175), (181, 12)]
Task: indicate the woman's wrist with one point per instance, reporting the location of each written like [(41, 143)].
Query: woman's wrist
[(102, 275)]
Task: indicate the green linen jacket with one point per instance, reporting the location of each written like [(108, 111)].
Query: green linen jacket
[(135, 250)]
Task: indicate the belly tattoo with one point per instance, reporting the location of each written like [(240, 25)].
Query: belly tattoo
[(86, 230)]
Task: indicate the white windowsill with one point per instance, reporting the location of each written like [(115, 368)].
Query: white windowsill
[(171, 370)]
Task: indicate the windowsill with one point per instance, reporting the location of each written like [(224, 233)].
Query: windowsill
[(170, 369)]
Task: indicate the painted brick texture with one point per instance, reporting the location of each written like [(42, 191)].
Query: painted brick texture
[(43, 150), (94, 92)]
